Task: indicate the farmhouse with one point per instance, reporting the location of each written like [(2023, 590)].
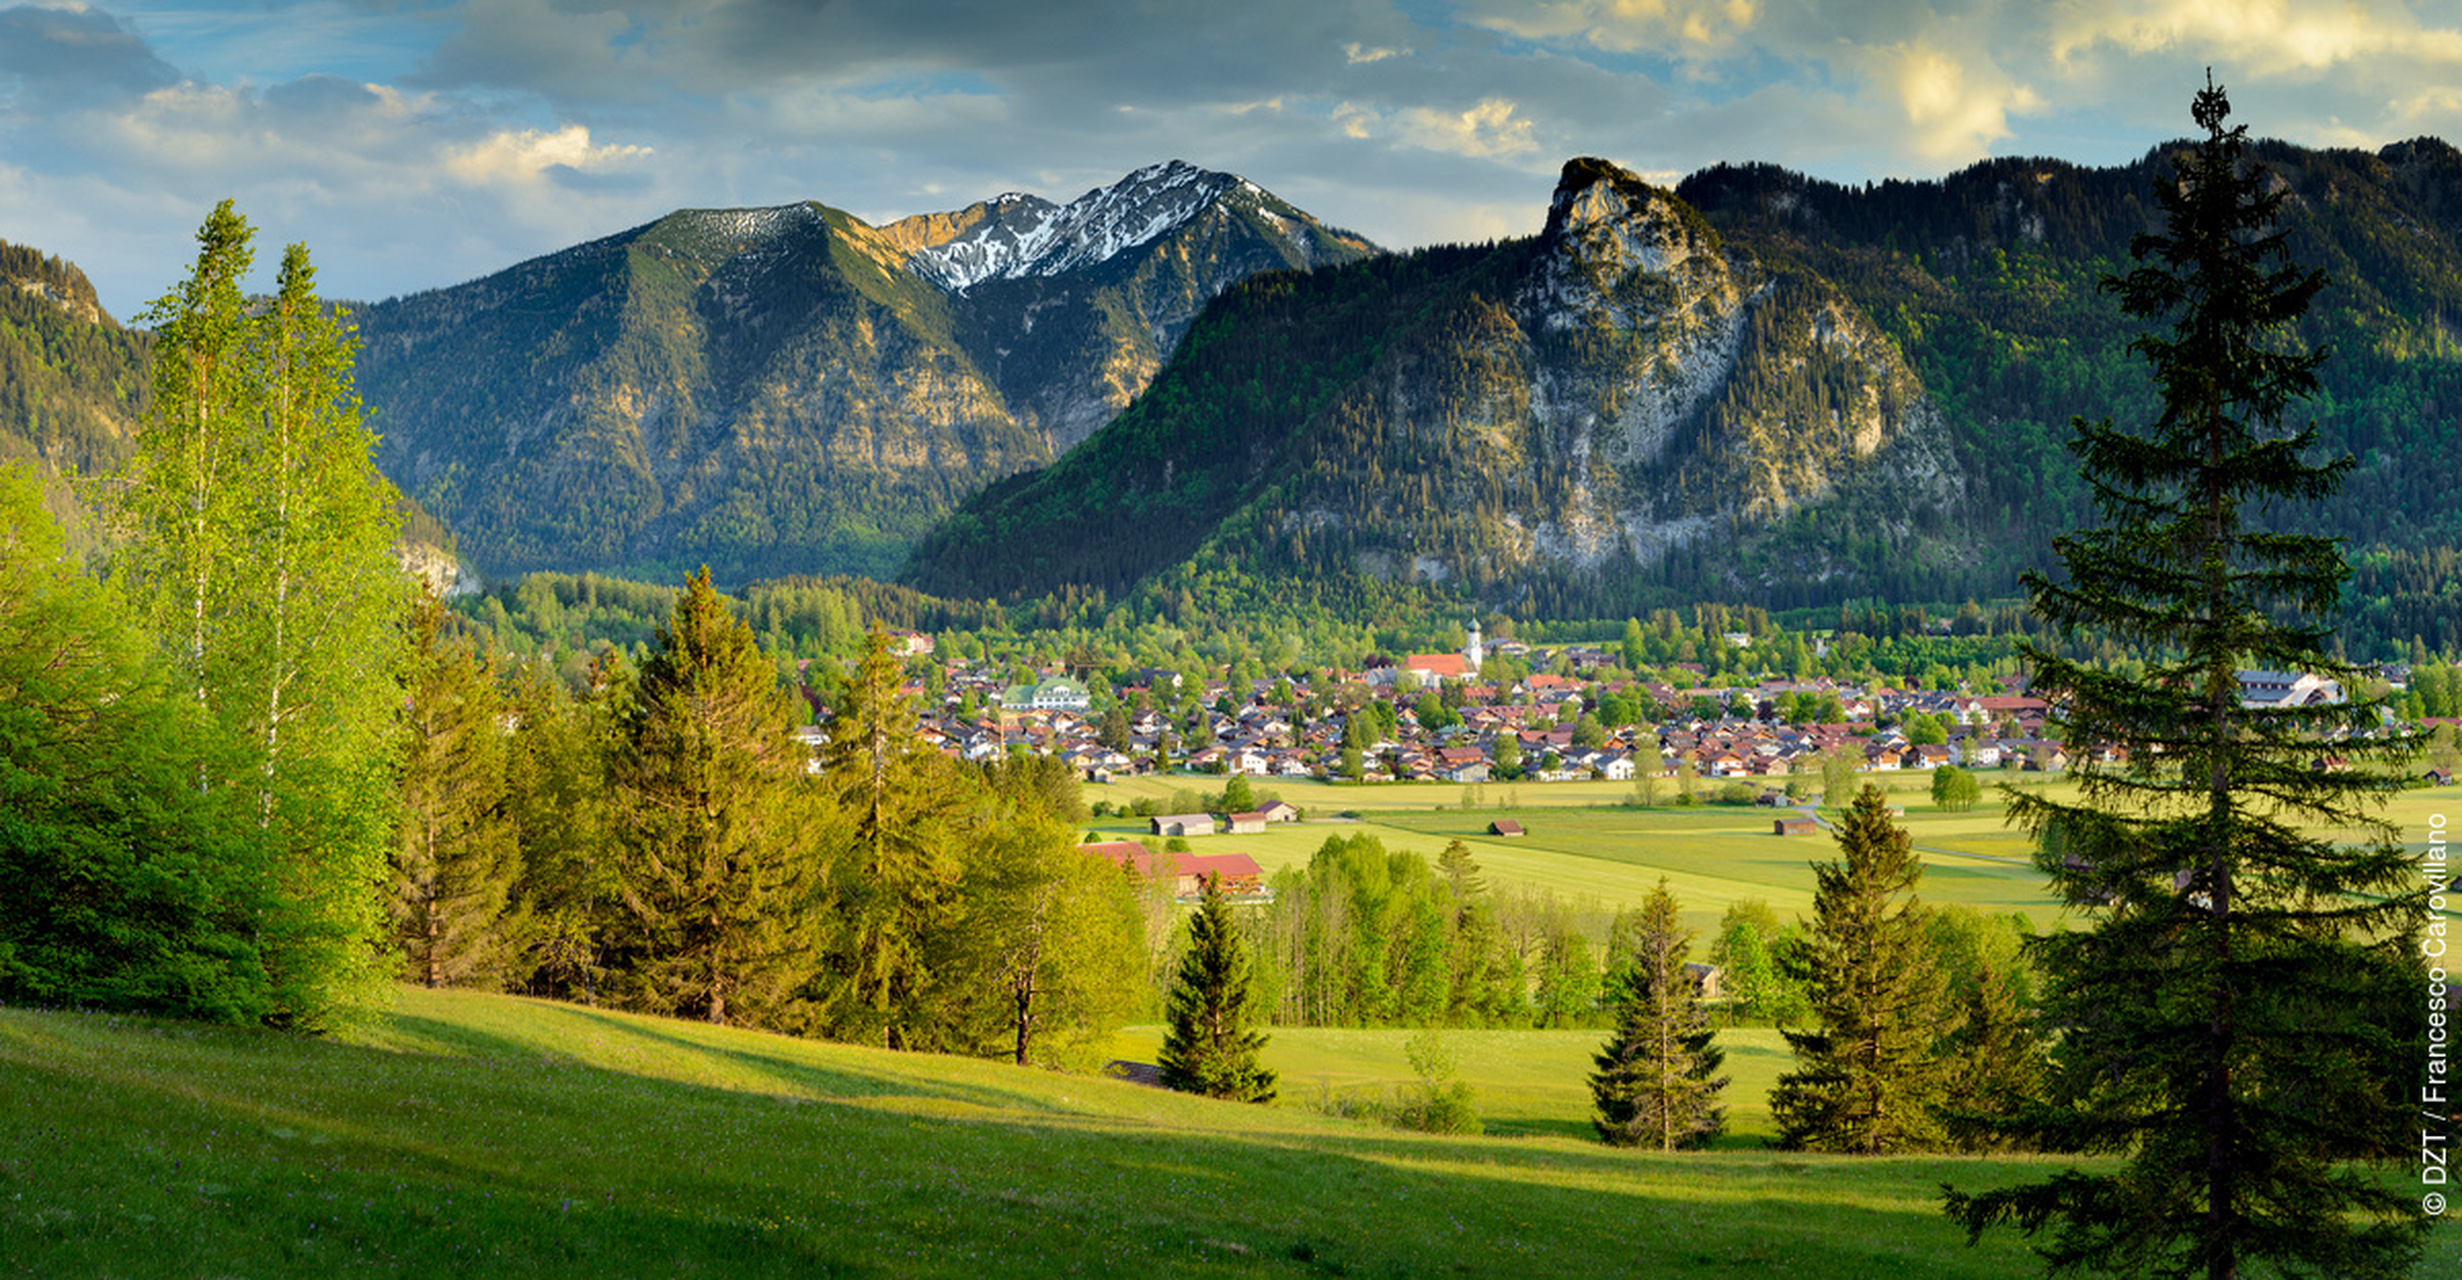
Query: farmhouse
[(1241, 877)]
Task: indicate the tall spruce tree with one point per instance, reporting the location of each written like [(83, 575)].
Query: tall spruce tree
[(1208, 1045), (1657, 1083), (1866, 1079), (2228, 1025), (899, 814), (456, 857), (712, 858)]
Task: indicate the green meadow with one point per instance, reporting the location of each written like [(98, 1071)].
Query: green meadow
[(485, 1135), (1582, 841)]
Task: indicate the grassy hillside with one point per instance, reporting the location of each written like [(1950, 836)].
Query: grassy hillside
[(487, 1135)]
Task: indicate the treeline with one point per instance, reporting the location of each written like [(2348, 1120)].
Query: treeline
[(245, 779), (664, 842)]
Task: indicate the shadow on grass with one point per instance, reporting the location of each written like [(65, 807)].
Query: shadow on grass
[(478, 1160)]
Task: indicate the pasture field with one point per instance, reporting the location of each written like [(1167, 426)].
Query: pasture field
[(1582, 842), (1528, 1083), (483, 1135)]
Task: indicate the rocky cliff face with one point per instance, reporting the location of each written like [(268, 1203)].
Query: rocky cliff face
[(1554, 415), (792, 390), (1639, 387)]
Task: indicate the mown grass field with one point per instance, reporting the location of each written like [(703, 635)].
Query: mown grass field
[(1583, 842), (480, 1135), (477, 1135)]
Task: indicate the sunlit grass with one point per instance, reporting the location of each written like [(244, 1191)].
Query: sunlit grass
[(492, 1136)]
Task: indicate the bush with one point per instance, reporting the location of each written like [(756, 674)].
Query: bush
[(1734, 792)]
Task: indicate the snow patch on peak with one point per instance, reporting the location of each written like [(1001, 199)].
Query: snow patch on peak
[(1031, 237)]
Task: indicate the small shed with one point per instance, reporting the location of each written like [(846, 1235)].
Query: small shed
[(1506, 827), (1184, 824), (1796, 826)]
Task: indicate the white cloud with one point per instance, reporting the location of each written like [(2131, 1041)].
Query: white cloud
[(1678, 27), (531, 155), (1487, 130), (2260, 37), (1955, 107)]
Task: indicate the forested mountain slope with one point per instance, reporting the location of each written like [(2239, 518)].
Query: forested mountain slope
[(1758, 387), (72, 381), (791, 390), (74, 384)]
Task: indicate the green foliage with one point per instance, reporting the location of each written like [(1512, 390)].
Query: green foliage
[(456, 857), (896, 855), (1210, 1046), (129, 888), (258, 546), (1440, 1104), (712, 835), (2229, 1022), (1656, 1082), (1867, 1080), (1051, 957), (1955, 789)]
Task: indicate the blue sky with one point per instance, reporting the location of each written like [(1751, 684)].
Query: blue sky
[(418, 143)]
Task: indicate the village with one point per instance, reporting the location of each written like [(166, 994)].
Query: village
[(1434, 718)]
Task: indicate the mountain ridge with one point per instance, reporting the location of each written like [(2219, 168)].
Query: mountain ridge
[(1756, 387), (790, 389)]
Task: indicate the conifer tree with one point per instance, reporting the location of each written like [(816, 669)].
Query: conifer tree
[(898, 815), (2229, 1026), (1657, 1083), (712, 857), (1866, 1080), (1995, 1064), (1209, 1046), (455, 859)]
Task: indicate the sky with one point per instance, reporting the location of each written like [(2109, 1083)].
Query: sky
[(414, 144)]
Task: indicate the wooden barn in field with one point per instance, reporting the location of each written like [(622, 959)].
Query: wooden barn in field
[(1795, 826)]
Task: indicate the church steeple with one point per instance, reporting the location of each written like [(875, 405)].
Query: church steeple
[(1474, 652)]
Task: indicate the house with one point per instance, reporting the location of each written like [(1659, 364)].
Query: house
[(1796, 826), (1240, 874), (1279, 811), (1706, 978), (1506, 827), (1241, 877), (1462, 764), (2287, 689), (1184, 824), (1056, 694)]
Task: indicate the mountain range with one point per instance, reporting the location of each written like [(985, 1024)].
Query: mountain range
[(1754, 387), (793, 390)]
